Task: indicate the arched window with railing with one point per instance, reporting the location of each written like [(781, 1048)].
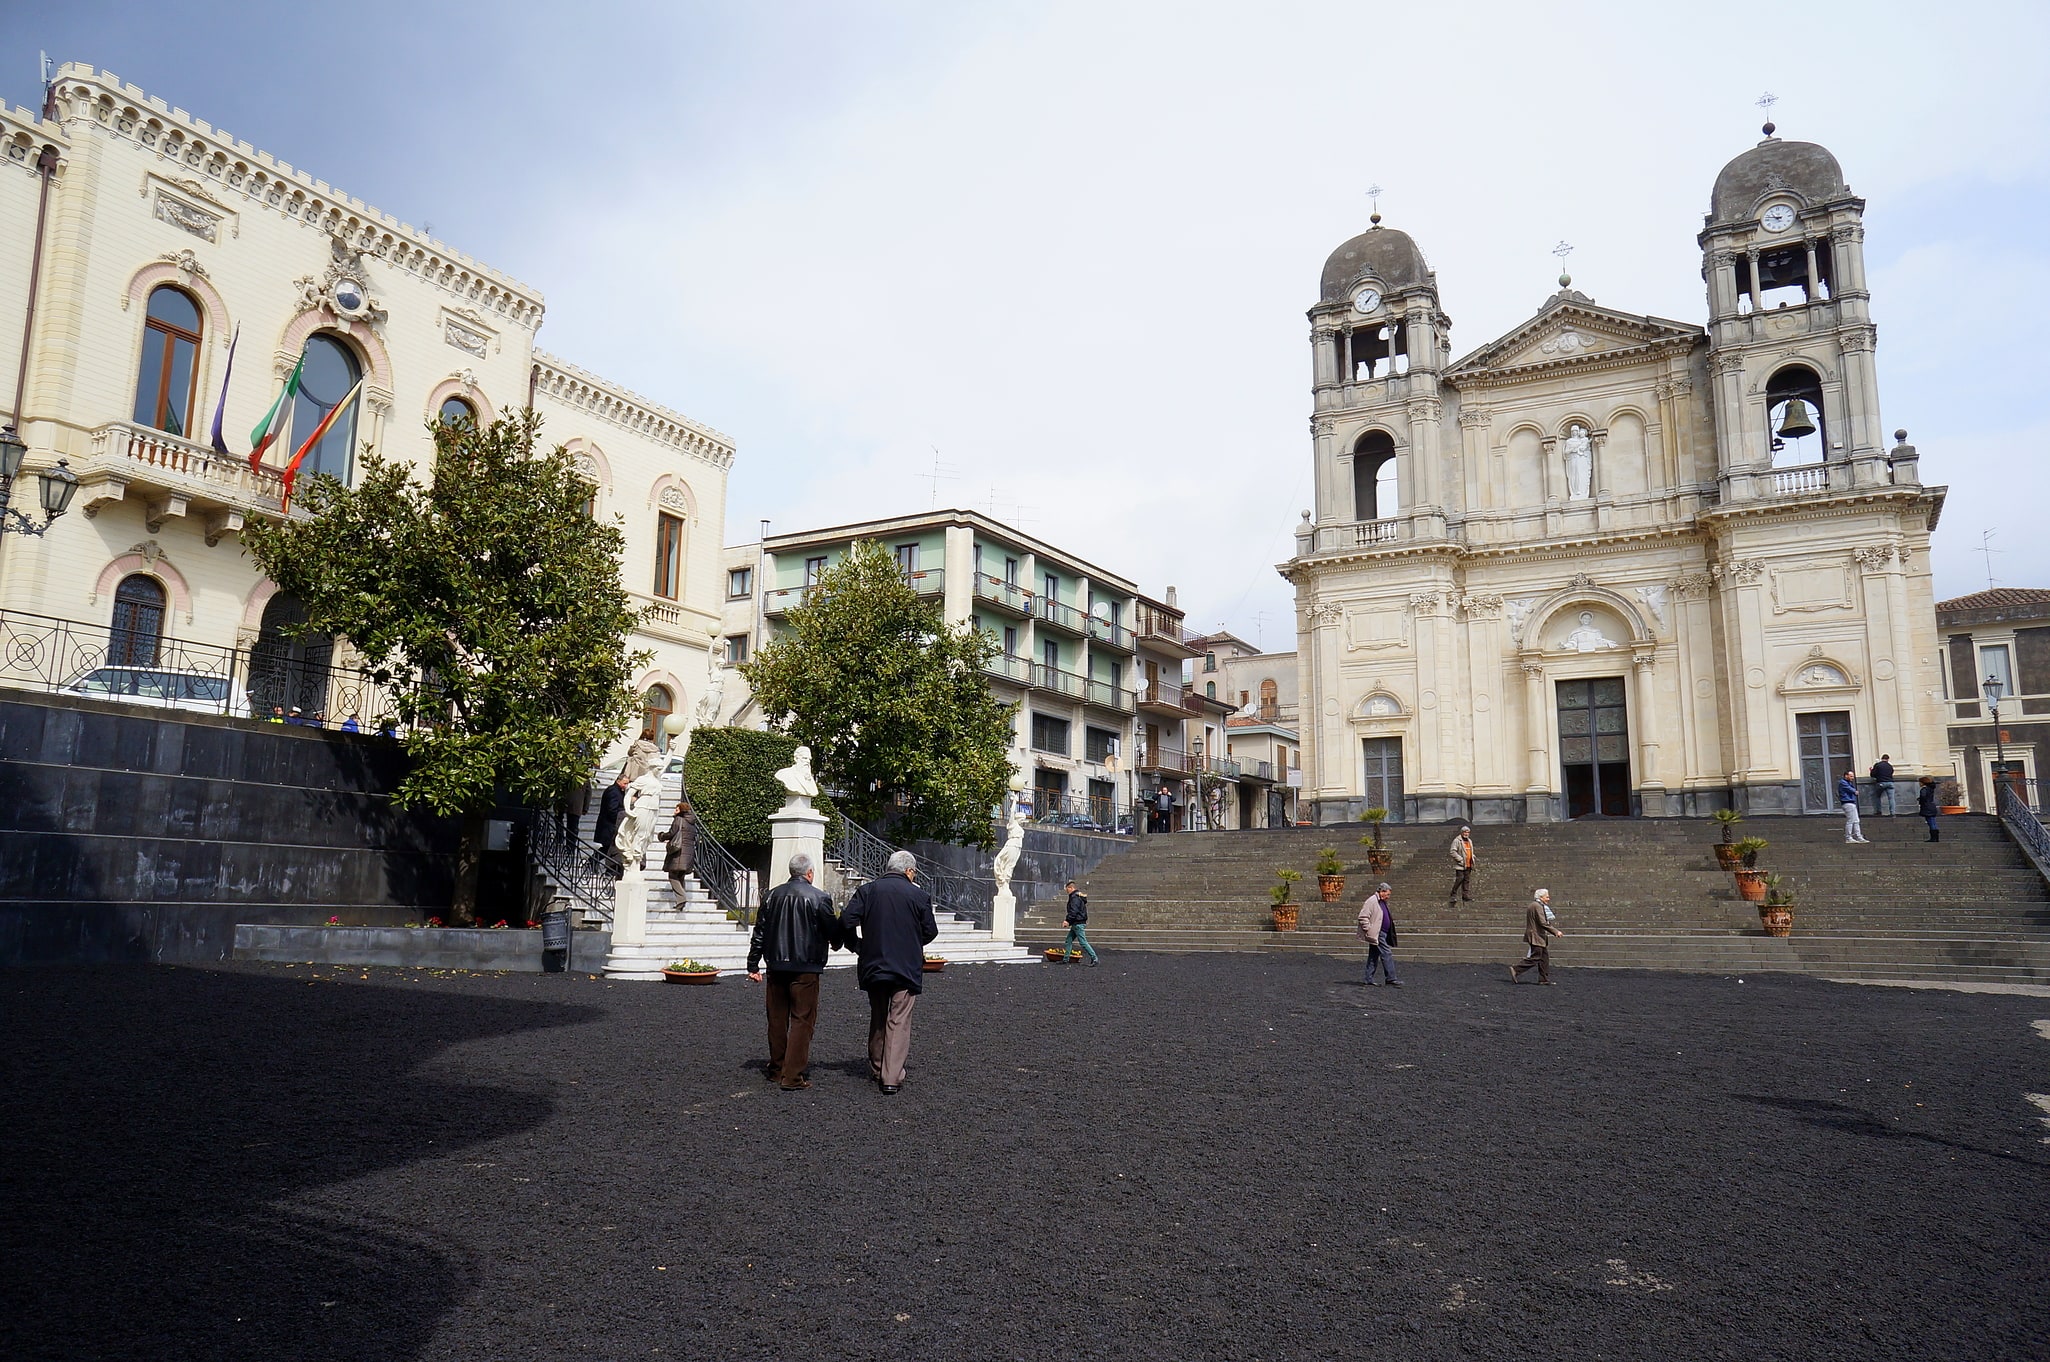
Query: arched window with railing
[(167, 378), (1793, 416), (1374, 468), (138, 624), (656, 705)]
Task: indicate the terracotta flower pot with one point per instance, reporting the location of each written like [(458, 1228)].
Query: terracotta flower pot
[(678, 976), (1329, 887), (1285, 917), (1750, 885), (1952, 808), (934, 965), (1054, 953), (1777, 921), (1726, 855), (1380, 861)]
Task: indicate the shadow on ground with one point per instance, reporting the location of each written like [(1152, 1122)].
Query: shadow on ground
[(166, 1135)]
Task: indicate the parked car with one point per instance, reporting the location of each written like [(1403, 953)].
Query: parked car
[(207, 691)]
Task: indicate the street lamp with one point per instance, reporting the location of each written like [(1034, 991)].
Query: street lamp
[(1992, 689), (56, 487)]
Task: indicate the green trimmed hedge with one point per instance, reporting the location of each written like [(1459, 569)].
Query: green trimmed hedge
[(731, 776)]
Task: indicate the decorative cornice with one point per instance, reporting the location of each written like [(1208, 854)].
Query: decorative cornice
[(575, 387)]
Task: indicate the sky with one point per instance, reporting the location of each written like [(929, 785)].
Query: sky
[(1060, 254)]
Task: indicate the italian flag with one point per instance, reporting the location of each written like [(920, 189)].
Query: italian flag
[(292, 468), (273, 423)]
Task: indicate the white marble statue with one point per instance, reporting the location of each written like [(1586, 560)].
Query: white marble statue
[(797, 780), (1588, 638), (1579, 453), (637, 822), (641, 758), (1013, 848), (706, 714)]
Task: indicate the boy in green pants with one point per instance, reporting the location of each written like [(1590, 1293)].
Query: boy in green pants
[(1078, 916)]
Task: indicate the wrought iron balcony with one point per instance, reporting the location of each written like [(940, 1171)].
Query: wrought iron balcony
[(1010, 667), (1111, 633), (1170, 761), (1163, 697), (1107, 696), (1060, 616), (1002, 594), (1058, 681), (174, 477), (1165, 632)]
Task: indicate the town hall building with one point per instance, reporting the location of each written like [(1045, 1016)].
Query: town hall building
[(1612, 564)]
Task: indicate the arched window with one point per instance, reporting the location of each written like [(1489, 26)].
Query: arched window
[(1785, 423), (1210, 690), (1373, 477), (1270, 699), (456, 410), (657, 705), (167, 380), (331, 370), (138, 623)]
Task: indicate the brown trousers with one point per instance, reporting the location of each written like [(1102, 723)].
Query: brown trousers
[(1462, 884), (793, 1013), (1540, 960), (889, 1033)]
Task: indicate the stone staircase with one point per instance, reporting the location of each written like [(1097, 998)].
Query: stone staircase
[(696, 927), (1632, 894)]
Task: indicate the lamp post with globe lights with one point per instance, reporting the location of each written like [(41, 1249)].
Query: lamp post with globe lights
[(56, 486)]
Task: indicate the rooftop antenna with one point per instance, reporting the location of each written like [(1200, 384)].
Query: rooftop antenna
[(1374, 199), (941, 472), (1562, 250), (1765, 102), (1259, 630), (1987, 550)]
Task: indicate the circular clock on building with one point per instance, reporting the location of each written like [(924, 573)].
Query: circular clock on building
[(1366, 300), (1778, 218), (350, 297)]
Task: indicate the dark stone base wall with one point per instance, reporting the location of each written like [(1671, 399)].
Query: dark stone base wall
[(449, 948), (131, 834), (1774, 798), (1051, 858)]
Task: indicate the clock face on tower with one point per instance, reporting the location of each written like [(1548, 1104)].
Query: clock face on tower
[(1778, 218), (1366, 300)]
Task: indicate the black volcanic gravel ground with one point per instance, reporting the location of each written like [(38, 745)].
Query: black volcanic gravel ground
[(1169, 1157)]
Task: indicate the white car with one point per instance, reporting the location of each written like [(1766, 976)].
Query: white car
[(205, 691)]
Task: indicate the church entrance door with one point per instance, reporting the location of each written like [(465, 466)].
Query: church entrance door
[(1825, 755), (1594, 747), (1384, 776)]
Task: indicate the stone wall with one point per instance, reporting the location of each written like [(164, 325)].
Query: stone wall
[(131, 834), (1051, 858)]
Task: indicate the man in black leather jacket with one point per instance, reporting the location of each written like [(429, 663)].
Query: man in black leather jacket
[(793, 932)]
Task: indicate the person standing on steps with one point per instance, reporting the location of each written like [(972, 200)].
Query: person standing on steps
[(1078, 919), (794, 931), (1462, 867), (1847, 795), (1926, 805), (681, 837), (1377, 928), (1882, 785), (1537, 934), (889, 923), (611, 808)]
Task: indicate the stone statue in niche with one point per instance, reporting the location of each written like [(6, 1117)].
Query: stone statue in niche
[(1588, 638), (1579, 455)]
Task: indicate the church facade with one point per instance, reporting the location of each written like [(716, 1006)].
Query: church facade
[(1612, 564)]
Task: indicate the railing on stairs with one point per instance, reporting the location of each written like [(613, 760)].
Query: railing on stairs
[(2023, 824), (579, 872), (723, 876), (866, 856)]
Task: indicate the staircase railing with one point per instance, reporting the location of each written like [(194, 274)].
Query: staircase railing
[(867, 856), (583, 874), (2023, 825), (723, 876)]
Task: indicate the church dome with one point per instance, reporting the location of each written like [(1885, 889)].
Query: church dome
[(1803, 169), (1387, 254)]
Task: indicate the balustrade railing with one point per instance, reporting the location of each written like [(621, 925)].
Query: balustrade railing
[(1055, 613), (229, 479), (1058, 681), (1813, 477), (578, 870), (2021, 821), (867, 857)]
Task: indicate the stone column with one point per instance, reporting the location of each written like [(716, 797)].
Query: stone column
[(1649, 780), (1537, 725)]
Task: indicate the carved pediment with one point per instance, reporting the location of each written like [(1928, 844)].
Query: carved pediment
[(1572, 328)]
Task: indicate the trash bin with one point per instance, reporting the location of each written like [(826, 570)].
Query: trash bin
[(554, 942)]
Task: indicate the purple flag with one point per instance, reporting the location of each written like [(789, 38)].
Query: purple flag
[(221, 407)]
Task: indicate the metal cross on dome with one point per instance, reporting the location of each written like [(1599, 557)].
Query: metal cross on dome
[(1374, 203)]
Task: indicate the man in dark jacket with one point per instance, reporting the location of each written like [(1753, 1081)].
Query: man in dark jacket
[(1882, 783), (889, 923), (1078, 919), (793, 933), (611, 808)]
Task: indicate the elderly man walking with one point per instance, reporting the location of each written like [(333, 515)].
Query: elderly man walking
[(793, 934), (1377, 929), (1462, 867), (889, 923), (1537, 934)]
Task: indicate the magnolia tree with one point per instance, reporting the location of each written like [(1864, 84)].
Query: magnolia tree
[(891, 701), (489, 602)]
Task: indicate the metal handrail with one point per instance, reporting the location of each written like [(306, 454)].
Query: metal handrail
[(2023, 825), (867, 856), (723, 876), (577, 869)]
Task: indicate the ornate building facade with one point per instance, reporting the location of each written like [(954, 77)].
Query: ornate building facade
[(1612, 564), (165, 242)]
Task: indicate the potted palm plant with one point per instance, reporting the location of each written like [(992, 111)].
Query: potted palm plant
[(1379, 858), (1750, 879), (1726, 849), (1950, 799), (1280, 894), (1776, 914), (1330, 875)]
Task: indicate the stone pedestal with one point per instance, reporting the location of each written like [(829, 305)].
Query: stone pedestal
[(630, 908), (1003, 920), (796, 827)]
